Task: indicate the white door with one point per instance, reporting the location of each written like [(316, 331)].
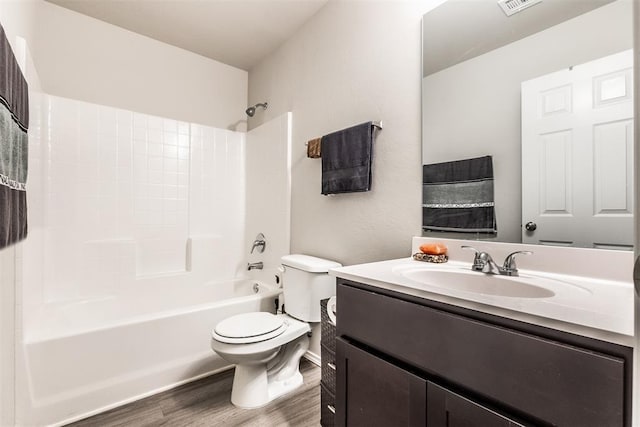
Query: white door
[(577, 155)]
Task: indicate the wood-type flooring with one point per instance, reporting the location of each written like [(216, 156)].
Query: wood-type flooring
[(206, 403)]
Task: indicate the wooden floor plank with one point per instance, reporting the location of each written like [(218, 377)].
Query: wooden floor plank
[(206, 403)]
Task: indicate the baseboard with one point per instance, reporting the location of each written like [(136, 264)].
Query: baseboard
[(140, 396), (313, 358)]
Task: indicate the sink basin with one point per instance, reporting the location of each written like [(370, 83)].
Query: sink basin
[(465, 280)]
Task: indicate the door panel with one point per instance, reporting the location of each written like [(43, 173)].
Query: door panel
[(448, 409), (376, 392), (577, 155)]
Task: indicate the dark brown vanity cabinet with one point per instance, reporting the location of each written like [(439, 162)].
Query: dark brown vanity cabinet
[(408, 361)]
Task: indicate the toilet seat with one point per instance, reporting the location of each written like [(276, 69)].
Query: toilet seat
[(249, 328)]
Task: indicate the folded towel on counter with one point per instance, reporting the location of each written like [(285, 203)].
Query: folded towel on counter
[(314, 148), (346, 160), (458, 196), (14, 122)]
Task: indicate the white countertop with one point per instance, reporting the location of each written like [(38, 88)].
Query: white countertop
[(588, 306)]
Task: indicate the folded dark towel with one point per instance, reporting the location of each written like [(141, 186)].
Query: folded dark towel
[(346, 160), (458, 196), (14, 122)]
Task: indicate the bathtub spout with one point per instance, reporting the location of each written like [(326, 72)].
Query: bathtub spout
[(255, 266)]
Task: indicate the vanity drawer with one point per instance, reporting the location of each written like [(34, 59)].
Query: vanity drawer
[(545, 379), (328, 368), (328, 407)]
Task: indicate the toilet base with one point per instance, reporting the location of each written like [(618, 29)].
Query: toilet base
[(255, 385)]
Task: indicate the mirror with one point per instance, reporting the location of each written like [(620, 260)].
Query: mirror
[(547, 93)]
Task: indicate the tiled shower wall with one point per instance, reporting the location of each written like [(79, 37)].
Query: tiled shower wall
[(116, 197)]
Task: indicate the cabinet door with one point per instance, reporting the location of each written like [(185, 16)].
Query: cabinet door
[(448, 409), (373, 392)]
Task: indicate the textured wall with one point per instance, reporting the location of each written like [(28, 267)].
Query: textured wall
[(352, 62)]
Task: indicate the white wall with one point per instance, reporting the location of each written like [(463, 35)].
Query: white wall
[(7, 335), (471, 110), (352, 62), (18, 18), (86, 59)]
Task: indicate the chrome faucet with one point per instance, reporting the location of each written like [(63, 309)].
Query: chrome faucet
[(483, 262), (255, 266), (259, 243), (509, 267)]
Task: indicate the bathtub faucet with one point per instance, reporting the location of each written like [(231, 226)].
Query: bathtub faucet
[(255, 266)]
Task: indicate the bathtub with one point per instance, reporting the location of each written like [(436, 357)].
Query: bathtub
[(86, 357)]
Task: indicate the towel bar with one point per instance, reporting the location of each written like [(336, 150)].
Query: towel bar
[(377, 124)]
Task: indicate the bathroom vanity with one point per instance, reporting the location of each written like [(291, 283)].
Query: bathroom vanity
[(414, 356)]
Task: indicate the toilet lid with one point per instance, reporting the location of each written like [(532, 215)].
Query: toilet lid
[(249, 327)]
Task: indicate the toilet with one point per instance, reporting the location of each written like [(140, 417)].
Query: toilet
[(266, 348)]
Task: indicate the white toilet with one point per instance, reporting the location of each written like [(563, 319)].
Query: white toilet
[(266, 348)]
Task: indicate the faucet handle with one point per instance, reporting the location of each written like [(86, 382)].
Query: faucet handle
[(259, 243), (509, 267), (478, 263)]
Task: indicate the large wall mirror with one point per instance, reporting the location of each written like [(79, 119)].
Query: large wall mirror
[(547, 93)]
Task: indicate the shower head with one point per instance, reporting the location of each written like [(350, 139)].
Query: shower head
[(252, 110)]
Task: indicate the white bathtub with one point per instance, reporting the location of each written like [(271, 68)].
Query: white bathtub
[(86, 357)]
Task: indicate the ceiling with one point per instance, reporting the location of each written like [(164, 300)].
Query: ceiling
[(236, 32), (460, 30)]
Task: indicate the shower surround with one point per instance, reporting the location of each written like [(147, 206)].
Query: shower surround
[(121, 196), (137, 247)]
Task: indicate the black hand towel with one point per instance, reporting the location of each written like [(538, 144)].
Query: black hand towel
[(458, 196), (346, 160), (14, 122)]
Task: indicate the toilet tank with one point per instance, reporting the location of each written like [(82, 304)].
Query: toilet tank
[(305, 281)]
